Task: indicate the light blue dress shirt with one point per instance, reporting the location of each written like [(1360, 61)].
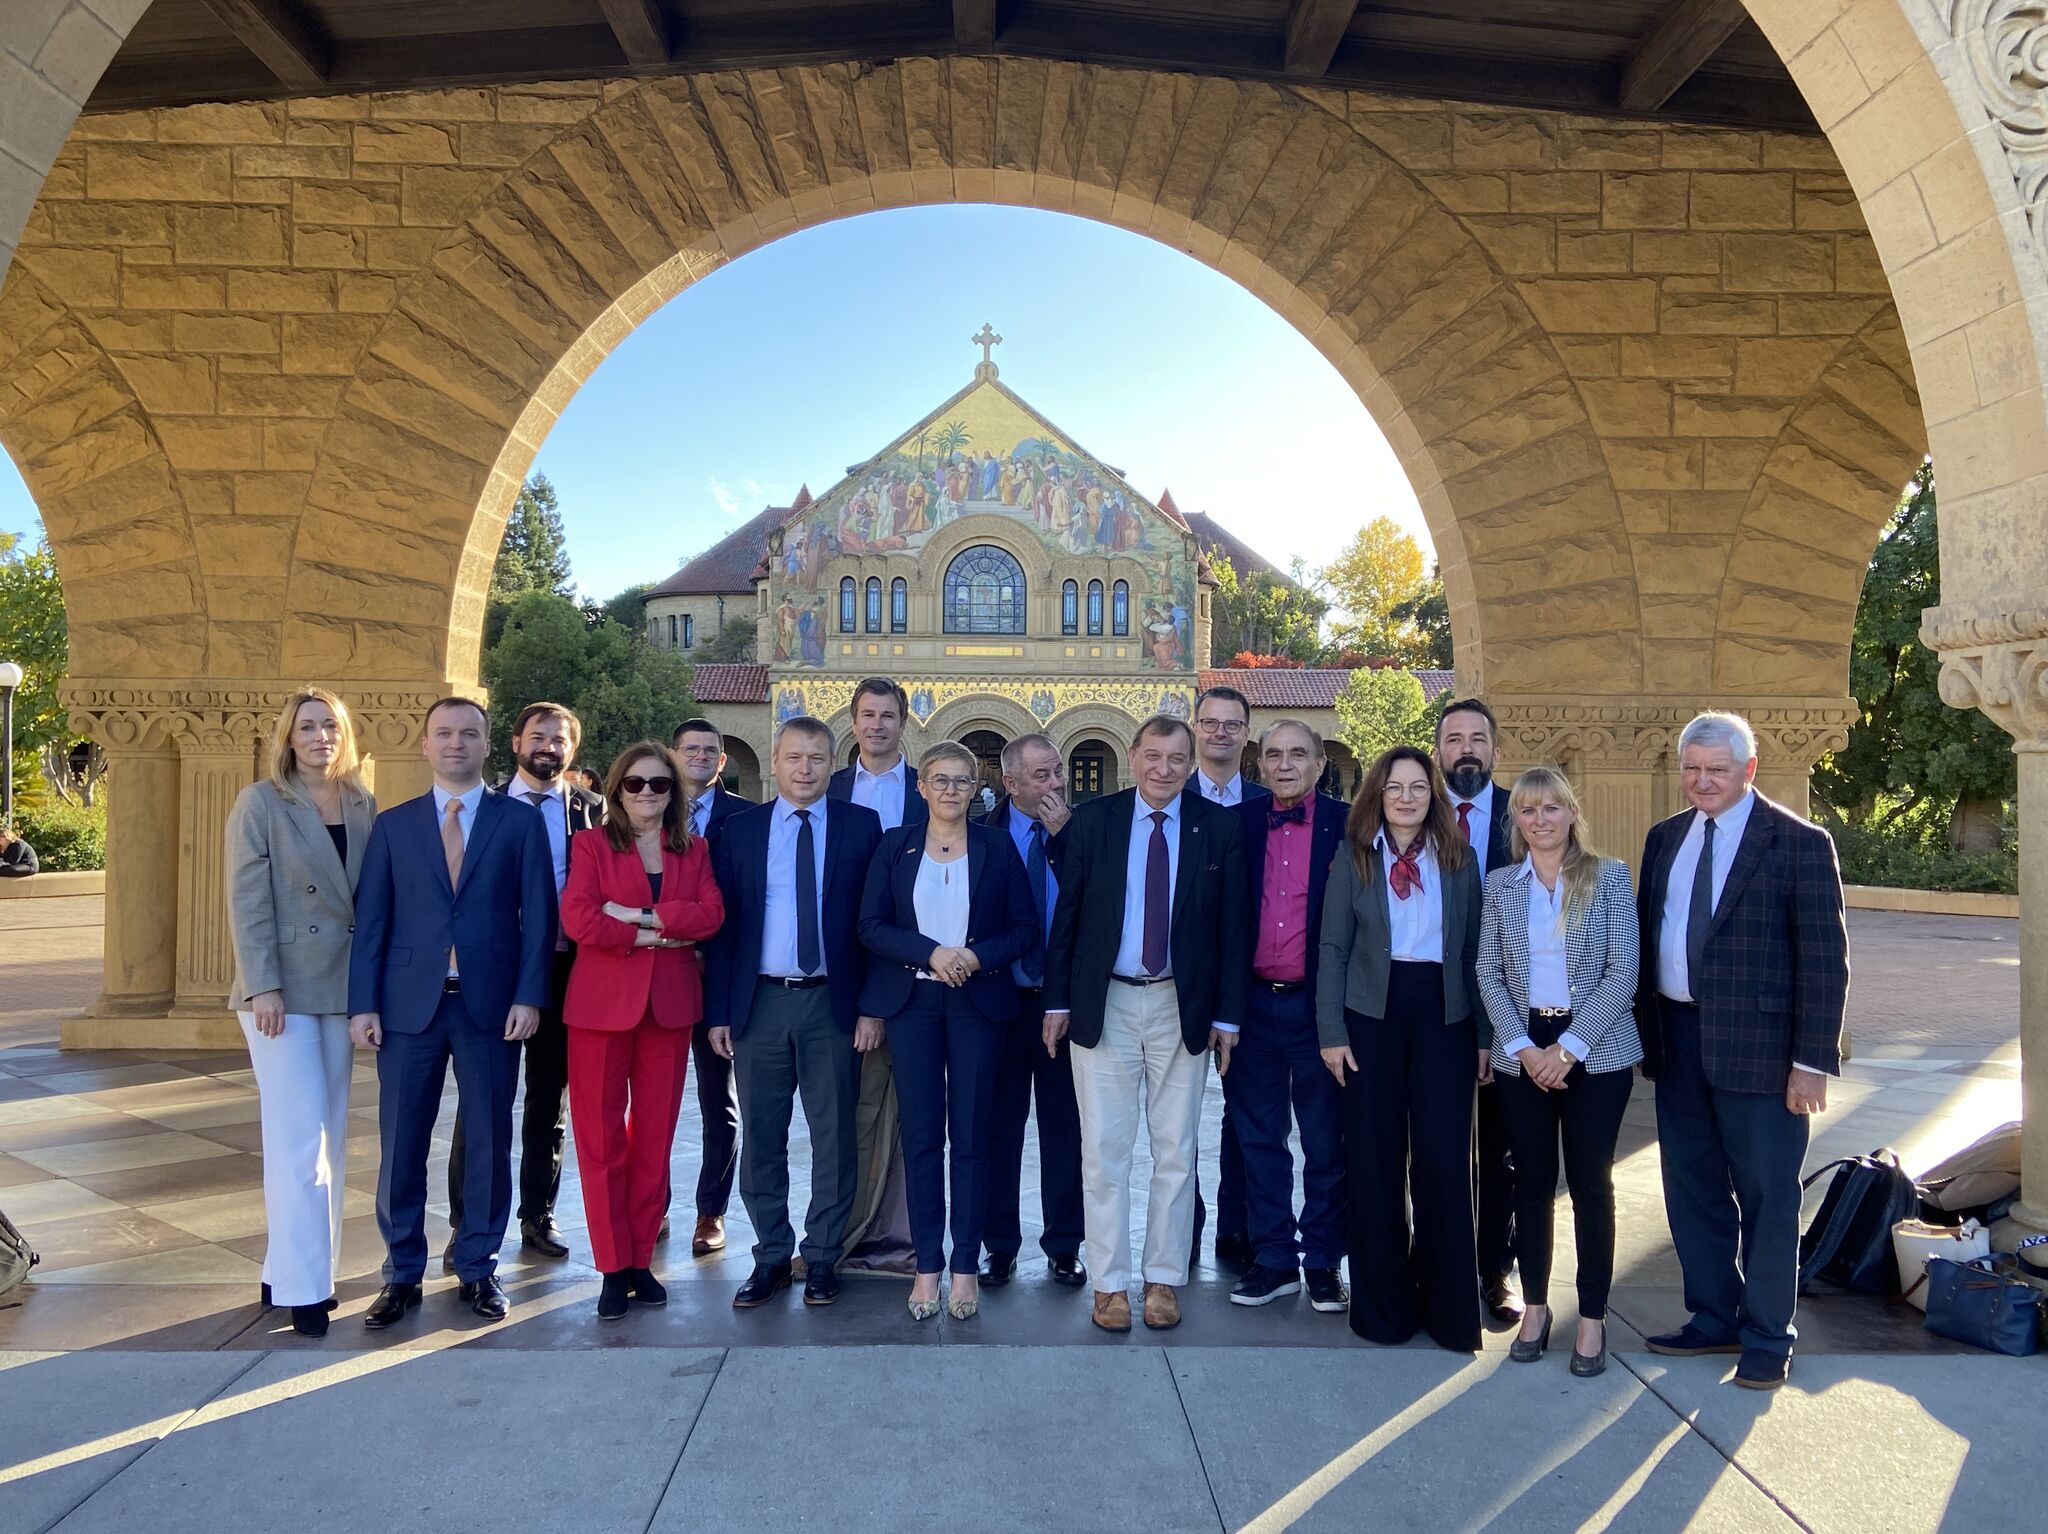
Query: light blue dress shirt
[(1130, 952), (778, 919), (1672, 976), (466, 820), (1020, 833)]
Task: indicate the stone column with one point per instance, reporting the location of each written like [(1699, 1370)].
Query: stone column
[(216, 761), (140, 964)]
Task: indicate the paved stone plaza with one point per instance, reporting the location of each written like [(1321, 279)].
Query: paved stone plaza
[(138, 1380)]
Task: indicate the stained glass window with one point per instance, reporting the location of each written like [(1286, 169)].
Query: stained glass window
[(1095, 607), (1070, 608), (1120, 608), (899, 605), (874, 604), (846, 601), (984, 592)]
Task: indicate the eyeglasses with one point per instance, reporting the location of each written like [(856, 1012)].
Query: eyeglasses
[(1406, 791), (951, 785), (1220, 726), (639, 785)]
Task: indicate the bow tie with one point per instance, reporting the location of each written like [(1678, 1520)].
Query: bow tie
[(1298, 816)]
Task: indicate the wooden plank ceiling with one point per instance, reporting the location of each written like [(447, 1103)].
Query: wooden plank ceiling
[(1693, 60)]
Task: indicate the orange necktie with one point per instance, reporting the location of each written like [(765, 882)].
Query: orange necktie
[(451, 848)]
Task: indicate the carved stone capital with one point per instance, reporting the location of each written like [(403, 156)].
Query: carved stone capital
[(213, 717), (2005, 47), (2009, 682), (1624, 734)]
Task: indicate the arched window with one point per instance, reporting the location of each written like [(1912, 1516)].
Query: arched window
[(1120, 608), (689, 631), (899, 605), (984, 592), (1070, 608), (1095, 607), (874, 604), (671, 631), (846, 601)]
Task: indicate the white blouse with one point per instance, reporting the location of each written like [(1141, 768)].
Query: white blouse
[(940, 899), (1550, 982), (1417, 923)]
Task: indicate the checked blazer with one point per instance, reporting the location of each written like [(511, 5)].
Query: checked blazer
[(1600, 951), (1775, 976)]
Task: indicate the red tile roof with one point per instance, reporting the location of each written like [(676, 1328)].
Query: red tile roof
[(728, 566), (743, 683), (1277, 687)]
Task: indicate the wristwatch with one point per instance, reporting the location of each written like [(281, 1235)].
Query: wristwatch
[(647, 916)]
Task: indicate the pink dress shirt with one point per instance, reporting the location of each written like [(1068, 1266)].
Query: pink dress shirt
[(1281, 951)]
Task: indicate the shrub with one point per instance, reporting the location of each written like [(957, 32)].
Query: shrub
[(1914, 854), (67, 837)]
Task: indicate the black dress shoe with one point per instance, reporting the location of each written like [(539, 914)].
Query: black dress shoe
[(391, 1305), (998, 1269), (309, 1320), (330, 1304), (448, 1256), (611, 1299), (1235, 1251), (643, 1286), (1067, 1270), (543, 1236), (1502, 1303), (821, 1284), (486, 1296), (1690, 1341), (762, 1285)]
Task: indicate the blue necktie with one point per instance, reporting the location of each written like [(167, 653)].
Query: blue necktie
[(1033, 963), (809, 952), (1701, 913)]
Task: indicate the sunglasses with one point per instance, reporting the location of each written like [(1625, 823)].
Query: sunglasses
[(639, 785)]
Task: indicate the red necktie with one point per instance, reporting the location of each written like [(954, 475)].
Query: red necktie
[(1465, 820), (1406, 874)]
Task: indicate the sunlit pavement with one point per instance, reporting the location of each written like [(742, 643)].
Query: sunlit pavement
[(141, 1385)]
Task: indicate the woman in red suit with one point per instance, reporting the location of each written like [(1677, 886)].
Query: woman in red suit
[(639, 897)]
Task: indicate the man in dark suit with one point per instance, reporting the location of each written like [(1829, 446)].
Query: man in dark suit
[(1223, 722), (1467, 740), (452, 960), (700, 752), (1034, 813), (782, 1002), (1743, 982), (544, 741), (1277, 1077), (881, 777), (1146, 966)]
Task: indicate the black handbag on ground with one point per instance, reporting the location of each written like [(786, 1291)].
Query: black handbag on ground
[(16, 1255), (1848, 1247), (1972, 1302)]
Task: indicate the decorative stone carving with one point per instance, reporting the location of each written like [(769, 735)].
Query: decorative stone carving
[(213, 716), (2006, 45), (2009, 682), (1604, 736)]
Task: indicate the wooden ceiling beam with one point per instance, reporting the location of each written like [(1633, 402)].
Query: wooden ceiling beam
[(1314, 29), (288, 42), (974, 23), (640, 29), (1690, 33)]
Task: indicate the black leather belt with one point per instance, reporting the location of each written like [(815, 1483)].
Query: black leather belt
[(1141, 981), (452, 983), (1550, 1012), (794, 982), (1280, 987)]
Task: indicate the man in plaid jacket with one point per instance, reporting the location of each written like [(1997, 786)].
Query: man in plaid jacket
[(1744, 977)]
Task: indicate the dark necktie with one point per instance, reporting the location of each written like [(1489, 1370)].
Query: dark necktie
[(809, 954), (1298, 816), (1465, 819), (1033, 964), (1158, 896), (1702, 912)]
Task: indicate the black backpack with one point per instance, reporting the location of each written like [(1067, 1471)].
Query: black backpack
[(1848, 1247)]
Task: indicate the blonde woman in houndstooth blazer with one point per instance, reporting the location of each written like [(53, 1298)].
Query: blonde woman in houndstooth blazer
[(1558, 946)]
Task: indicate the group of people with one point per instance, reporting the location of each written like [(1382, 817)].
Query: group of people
[(1442, 988)]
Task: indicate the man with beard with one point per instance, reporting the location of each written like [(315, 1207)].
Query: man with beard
[(1465, 749), (544, 741)]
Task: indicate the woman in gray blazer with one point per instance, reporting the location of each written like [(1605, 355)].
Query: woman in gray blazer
[(1401, 1029), (1557, 970), (295, 844)]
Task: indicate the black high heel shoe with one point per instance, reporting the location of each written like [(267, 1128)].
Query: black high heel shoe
[(1584, 1365), (1529, 1352), (330, 1304), (311, 1320)]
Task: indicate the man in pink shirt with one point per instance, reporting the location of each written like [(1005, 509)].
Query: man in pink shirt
[(1276, 1078)]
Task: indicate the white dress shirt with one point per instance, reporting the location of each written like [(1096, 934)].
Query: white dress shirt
[(1673, 977), (882, 792), (471, 798), (1417, 923), (1549, 979), (940, 900), (1130, 951), (1480, 818), (1220, 793), (778, 916)]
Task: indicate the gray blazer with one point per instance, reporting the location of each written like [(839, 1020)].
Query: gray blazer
[(1599, 961), (291, 903), (1358, 943)]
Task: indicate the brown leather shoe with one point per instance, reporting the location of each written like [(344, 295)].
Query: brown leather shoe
[(709, 1236), (1113, 1311), (1162, 1307)]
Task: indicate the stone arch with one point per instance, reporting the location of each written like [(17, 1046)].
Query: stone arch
[(742, 760), (1103, 720), (980, 711)]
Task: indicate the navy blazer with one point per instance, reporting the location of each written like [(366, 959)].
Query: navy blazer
[(915, 811), (739, 862), (1250, 792), (1328, 835), (724, 805), (500, 919), (1001, 926)]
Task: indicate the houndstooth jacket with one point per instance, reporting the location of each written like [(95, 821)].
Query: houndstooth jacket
[(1600, 952)]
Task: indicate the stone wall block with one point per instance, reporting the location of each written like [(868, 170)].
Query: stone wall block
[(1711, 149), (280, 292), (1503, 140), (1777, 263), (1816, 315), (347, 202), (159, 172), (1645, 199), (1628, 407), (499, 144), (227, 236), (1716, 314), (392, 143), (1673, 564), (1543, 411), (648, 162), (110, 223), (324, 343), (1553, 192), (1677, 356), (1591, 252), (1788, 366), (294, 161), (169, 385), (1593, 305), (1711, 416), (82, 278), (1655, 465), (328, 249), (224, 333), (1734, 200), (223, 122), (273, 395)]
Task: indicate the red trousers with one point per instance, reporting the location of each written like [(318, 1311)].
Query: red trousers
[(625, 1090)]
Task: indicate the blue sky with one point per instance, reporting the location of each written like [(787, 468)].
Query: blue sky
[(814, 352)]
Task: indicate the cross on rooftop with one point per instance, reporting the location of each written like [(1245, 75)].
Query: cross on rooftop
[(988, 340)]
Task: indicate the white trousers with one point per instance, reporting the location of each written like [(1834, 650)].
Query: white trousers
[(1140, 1059), (302, 1079)]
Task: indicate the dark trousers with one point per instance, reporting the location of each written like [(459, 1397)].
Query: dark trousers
[(1499, 1241), (411, 1070), (1277, 1079), (718, 1102), (945, 1053), (1023, 1071), (1408, 1142), (792, 1047), (1585, 1117), (1731, 1191), (543, 1123)]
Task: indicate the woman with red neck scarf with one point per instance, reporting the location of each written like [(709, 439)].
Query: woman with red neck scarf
[(1407, 1039)]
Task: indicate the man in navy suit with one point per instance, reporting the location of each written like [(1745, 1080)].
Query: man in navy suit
[(881, 777), (1467, 740), (700, 752), (1740, 996), (783, 1001), (1277, 1077), (1223, 722), (453, 960)]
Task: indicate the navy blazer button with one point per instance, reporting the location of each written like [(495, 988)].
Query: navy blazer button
[(311, 890), (313, 929)]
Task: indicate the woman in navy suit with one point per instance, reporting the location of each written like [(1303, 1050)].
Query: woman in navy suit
[(945, 913)]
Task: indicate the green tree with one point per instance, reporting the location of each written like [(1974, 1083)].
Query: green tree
[(950, 438), (534, 555), (1911, 757), (628, 609), (731, 644), (33, 635), (1379, 571), (1428, 613), (1256, 612), (636, 692), (1379, 708)]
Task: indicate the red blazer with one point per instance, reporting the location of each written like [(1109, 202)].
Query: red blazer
[(612, 982)]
